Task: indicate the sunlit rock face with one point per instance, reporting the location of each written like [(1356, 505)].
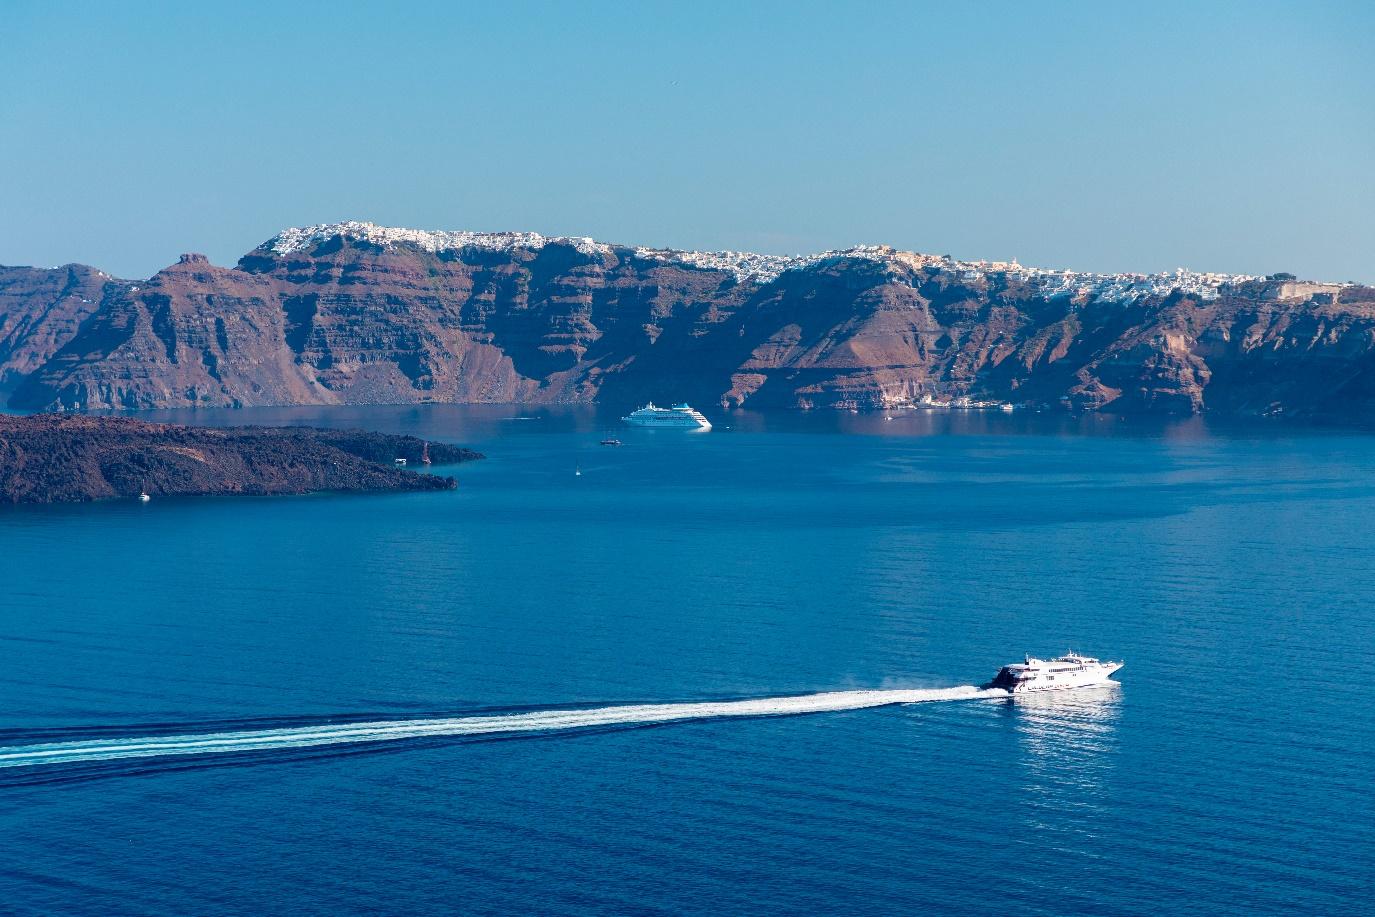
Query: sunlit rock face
[(353, 313)]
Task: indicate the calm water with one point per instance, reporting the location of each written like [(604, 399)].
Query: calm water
[(1229, 773)]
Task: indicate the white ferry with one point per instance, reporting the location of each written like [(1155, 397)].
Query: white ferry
[(1069, 671), (680, 417)]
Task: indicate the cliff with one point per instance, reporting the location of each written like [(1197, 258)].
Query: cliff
[(54, 458), (40, 312), (355, 313)]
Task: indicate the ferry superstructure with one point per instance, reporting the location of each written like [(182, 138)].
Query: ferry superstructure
[(680, 417), (1069, 671)]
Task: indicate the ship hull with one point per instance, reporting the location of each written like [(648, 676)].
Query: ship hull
[(685, 424)]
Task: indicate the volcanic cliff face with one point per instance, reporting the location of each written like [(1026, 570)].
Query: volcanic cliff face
[(40, 312), (355, 313)]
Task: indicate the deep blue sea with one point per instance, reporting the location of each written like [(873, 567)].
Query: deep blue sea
[(1230, 772)]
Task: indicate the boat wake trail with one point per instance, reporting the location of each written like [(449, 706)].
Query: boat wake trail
[(490, 725)]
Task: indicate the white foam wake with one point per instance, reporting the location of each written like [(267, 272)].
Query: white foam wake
[(488, 725)]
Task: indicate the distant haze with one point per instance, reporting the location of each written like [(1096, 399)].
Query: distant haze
[(1233, 137)]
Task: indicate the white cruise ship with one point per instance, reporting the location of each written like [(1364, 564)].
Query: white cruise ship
[(680, 417), (1069, 671)]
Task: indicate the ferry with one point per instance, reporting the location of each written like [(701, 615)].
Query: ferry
[(679, 417), (1069, 671)]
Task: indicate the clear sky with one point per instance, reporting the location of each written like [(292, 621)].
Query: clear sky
[(1098, 136)]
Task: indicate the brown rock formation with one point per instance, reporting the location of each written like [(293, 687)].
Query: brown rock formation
[(40, 312), (54, 458), (373, 316)]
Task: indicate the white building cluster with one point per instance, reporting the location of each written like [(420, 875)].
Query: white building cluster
[(289, 241), (755, 268)]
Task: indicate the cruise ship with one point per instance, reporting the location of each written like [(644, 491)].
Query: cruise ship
[(1069, 671), (680, 417)]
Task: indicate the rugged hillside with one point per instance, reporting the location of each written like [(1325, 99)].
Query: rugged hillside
[(355, 313), (40, 312), (55, 458)]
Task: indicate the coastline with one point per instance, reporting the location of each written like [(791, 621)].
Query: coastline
[(54, 458)]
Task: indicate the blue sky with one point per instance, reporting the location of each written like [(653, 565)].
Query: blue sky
[(1098, 136)]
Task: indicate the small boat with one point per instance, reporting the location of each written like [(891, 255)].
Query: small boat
[(577, 472), (399, 462), (611, 441), (143, 496), (1069, 671)]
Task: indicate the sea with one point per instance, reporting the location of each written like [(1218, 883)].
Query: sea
[(725, 673)]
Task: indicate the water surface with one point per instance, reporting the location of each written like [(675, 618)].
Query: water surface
[(774, 556)]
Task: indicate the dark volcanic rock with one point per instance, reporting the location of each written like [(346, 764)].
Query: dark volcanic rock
[(53, 458), (353, 313)]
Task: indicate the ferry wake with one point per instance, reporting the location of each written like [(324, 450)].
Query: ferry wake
[(540, 721)]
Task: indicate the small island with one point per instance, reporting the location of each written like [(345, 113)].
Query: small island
[(64, 458)]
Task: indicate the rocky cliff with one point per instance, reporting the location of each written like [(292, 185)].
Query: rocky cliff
[(356, 313), (53, 458), (40, 312)]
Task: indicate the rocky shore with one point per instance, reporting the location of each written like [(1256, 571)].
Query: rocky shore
[(54, 458)]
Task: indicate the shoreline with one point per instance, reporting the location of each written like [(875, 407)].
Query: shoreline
[(69, 458)]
